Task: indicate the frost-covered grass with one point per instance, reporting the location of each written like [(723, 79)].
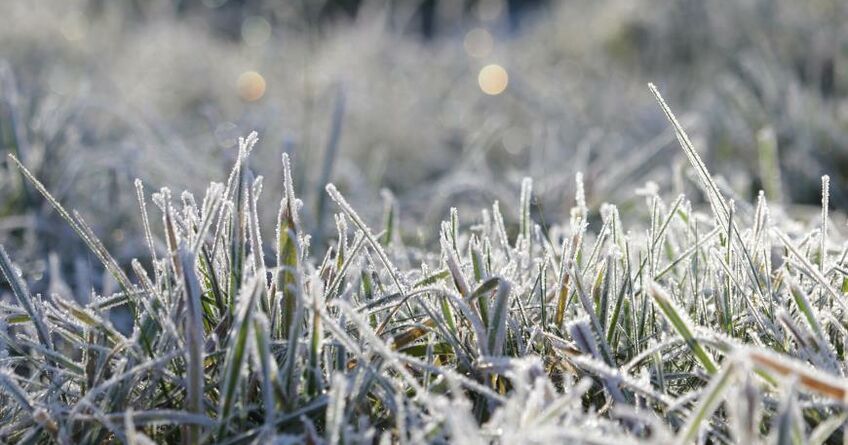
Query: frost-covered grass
[(719, 325)]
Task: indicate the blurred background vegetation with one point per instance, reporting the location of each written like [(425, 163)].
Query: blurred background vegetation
[(445, 103)]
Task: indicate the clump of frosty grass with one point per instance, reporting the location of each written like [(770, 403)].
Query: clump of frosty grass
[(722, 327)]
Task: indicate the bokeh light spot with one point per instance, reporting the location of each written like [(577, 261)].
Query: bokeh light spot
[(478, 43), (493, 79), (251, 86)]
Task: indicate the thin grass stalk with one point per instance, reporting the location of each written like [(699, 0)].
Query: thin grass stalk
[(194, 343)]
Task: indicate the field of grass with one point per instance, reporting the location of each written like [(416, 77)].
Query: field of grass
[(556, 261)]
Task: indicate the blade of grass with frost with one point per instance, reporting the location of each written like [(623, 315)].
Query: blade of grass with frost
[(255, 233), (212, 204), (619, 303), (562, 293), (723, 306), (410, 335), (93, 244), (237, 349), (681, 324), (660, 372), (289, 377), (462, 353), (524, 222), (347, 260), (145, 222), (152, 304), (726, 306), (341, 262), (19, 289), (207, 271), (809, 268), (600, 293), (110, 264), (497, 327), (825, 203), (596, 248), (710, 399), (478, 265), (432, 278), (262, 353), (389, 220), (453, 229), (153, 364), (288, 248), (582, 334), (67, 363), (586, 301), (808, 378), (663, 229), (11, 387), (803, 303), (194, 341), (392, 359), (482, 334), (378, 248), (171, 238), (689, 252), (314, 378), (89, 318), (453, 263), (580, 210), (236, 238), (481, 295), (500, 229), (714, 196)]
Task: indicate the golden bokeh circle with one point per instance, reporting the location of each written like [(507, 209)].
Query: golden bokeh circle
[(251, 86), (493, 79)]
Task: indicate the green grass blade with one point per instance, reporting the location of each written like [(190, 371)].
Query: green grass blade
[(682, 325)]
